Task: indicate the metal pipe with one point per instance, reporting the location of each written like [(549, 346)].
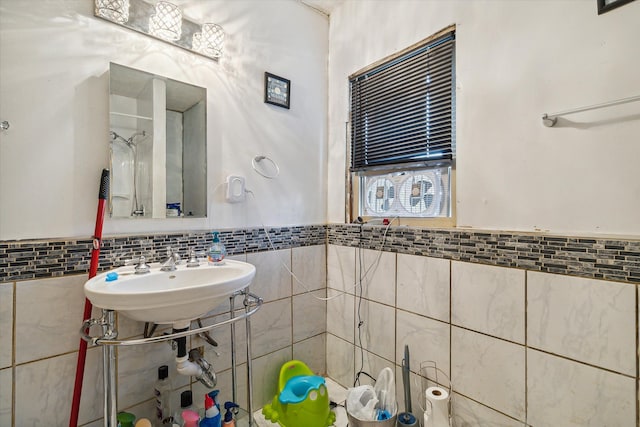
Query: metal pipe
[(550, 120), (247, 305), (109, 371), (257, 301), (234, 379)]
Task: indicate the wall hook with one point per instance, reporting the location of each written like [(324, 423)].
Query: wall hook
[(4, 125)]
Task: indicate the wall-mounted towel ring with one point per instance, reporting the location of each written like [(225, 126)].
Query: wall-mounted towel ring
[(259, 158)]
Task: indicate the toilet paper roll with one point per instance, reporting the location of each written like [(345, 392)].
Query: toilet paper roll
[(437, 413)]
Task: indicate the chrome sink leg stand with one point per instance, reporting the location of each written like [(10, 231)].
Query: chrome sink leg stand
[(247, 321), (109, 370), (234, 379)]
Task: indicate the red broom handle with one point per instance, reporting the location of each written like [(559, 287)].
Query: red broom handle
[(93, 269)]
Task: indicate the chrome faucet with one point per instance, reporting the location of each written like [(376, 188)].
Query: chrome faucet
[(172, 260), (193, 260), (141, 266)]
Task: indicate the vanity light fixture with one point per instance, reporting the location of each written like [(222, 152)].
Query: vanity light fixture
[(113, 10), (164, 21), (210, 40)]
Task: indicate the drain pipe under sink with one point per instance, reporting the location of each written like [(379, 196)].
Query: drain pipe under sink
[(193, 364)]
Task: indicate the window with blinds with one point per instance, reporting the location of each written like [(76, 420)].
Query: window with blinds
[(403, 125)]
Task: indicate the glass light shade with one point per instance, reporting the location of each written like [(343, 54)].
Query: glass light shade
[(166, 23), (212, 40), (113, 10)]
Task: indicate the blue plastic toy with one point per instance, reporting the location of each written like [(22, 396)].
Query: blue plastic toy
[(302, 399)]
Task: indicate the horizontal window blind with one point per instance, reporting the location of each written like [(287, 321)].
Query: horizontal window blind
[(402, 112)]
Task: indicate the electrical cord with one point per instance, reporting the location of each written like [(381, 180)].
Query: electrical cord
[(300, 282), (357, 286)]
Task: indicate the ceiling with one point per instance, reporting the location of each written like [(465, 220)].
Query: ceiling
[(324, 6)]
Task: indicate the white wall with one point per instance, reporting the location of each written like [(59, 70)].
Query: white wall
[(54, 93), (515, 61)]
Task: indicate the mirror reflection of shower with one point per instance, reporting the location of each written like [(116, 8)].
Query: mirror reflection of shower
[(125, 184)]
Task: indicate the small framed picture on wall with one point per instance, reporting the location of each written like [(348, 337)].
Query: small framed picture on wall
[(607, 5), (277, 90)]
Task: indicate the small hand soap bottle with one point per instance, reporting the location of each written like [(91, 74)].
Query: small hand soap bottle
[(217, 251)]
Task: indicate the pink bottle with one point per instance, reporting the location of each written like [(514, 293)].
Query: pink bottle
[(190, 418)]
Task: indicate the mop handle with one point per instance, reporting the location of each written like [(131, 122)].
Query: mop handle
[(103, 194)]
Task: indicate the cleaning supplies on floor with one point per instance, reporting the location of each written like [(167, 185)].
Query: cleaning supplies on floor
[(143, 422), (186, 404), (229, 421), (162, 393), (373, 403), (190, 418), (407, 419), (217, 251), (211, 411), (125, 419)]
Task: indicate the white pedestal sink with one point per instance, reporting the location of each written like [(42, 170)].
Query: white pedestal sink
[(169, 297)]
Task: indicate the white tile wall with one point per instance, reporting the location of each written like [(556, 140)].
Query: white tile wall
[(377, 333), (489, 370), (341, 268), (468, 413), (423, 286), (6, 381), (341, 314), (309, 314), (48, 317), (597, 318), (43, 390), (428, 340), (378, 275), (138, 370), (309, 264), (313, 352), (267, 373), (488, 299), (572, 394), (271, 328), (497, 379), (340, 360), (272, 280), (6, 318)]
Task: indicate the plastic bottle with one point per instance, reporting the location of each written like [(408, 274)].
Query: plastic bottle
[(162, 392), (186, 404), (228, 416), (217, 251), (190, 418), (125, 419), (212, 411)]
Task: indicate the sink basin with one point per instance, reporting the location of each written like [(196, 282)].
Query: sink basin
[(174, 297)]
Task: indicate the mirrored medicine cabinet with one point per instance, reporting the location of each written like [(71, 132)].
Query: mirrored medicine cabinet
[(157, 141)]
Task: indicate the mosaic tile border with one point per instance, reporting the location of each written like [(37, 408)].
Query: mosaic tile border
[(32, 259), (598, 258)]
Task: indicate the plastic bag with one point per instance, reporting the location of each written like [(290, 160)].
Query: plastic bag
[(385, 390), (362, 402)]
